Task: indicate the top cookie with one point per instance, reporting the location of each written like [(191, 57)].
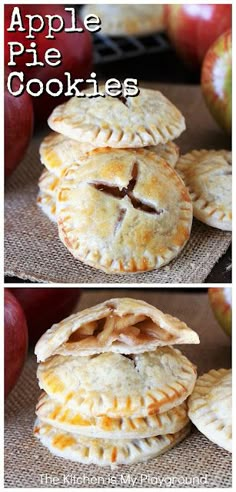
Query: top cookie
[(147, 119), (117, 325), (208, 177), (119, 20)]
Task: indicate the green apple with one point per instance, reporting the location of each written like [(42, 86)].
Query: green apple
[(221, 303), (216, 80)]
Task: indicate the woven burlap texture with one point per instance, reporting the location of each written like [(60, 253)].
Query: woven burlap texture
[(27, 462), (33, 250)]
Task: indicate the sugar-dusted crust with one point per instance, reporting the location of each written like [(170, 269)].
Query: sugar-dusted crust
[(46, 199), (208, 177), (123, 211), (116, 385), (58, 152), (105, 452), (121, 20), (62, 417), (147, 119), (122, 325), (169, 152), (210, 406)]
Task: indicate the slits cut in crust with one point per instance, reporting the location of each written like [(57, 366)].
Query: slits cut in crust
[(123, 211), (147, 119), (208, 177), (58, 152), (123, 20), (105, 452), (62, 417), (210, 406), (122, 325), (116, 385)]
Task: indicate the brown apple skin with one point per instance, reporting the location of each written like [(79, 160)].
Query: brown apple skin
[(18, 126), (15, 340), (216, 81), (45, 306), (192, 28), (221, 304)]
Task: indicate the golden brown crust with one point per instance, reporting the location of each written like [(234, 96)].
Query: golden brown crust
[(58, 152), (105, 452), (116, 385), (123, 211), (121, 325), (62, 417), (148, 119), (208, 177), (46, 199)]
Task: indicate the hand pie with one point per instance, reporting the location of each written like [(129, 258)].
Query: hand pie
[(119, 386), (123, 20), (210, 406), (61, 416), (123, 211), (147, 119), (105, 452), (58, 152), (46, 198), (208, 177), (124, 325)]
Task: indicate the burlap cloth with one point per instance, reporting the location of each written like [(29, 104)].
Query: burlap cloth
[(33, 250), (196, 462)]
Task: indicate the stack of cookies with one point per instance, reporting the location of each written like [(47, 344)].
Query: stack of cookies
[(122, 198), (114, 388), (110, 183)]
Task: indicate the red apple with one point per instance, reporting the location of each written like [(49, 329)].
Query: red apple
[(45, 306), (18, 126), (221, 303), (216, 80), (192, 28), (75, 48), (15, 340)]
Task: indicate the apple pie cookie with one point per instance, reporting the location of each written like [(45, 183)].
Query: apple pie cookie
[(61, 416), (125, 325), (169, 152), (147, 119), (210, 406), (116, 385), (105, 452), (123, 211), (208, 177), (46, 198), (123, 20)]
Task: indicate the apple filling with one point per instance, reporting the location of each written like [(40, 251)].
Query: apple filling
[(129, 329)]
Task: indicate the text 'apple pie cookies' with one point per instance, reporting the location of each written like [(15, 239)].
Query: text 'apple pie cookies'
[(119, 122), (210, 406), (114, 390), (123, 211)]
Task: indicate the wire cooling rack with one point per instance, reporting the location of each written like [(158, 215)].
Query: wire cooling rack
[(107, 49)]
